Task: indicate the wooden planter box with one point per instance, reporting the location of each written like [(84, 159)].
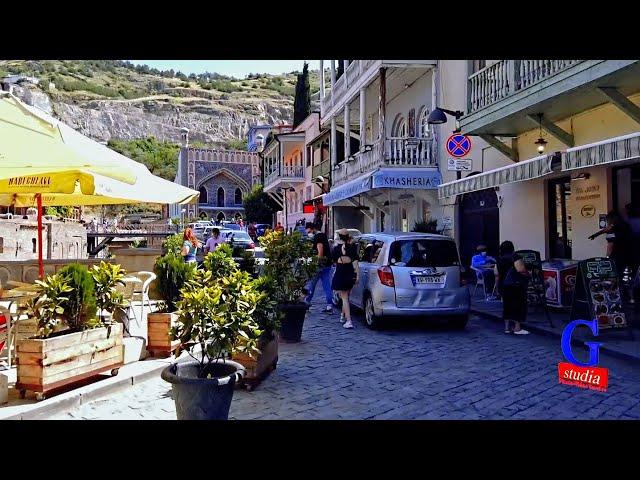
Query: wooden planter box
[(158, 342), (50, 363), (259, 367)]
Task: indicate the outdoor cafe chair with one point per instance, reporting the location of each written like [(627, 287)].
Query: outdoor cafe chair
[(480, 282), (141, 291), (128, 292)]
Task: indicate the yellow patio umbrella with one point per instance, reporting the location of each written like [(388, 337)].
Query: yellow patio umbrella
[(45, 162)]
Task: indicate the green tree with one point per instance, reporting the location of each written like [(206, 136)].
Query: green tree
[(161, 158), (302, 102), (258, 206)]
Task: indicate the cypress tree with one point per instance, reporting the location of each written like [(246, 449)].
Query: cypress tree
[(302, 102)]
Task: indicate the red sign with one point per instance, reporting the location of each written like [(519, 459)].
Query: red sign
[(458, 145), (308, 209), (592, 378), (4, 325)]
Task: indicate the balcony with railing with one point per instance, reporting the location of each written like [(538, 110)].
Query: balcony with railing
[(280, 173), (322, 169), (502, 96), (404, 152), (506, 77), (358, 74)]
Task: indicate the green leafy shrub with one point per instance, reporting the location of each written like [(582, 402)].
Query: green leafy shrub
[(80, 308), (426, 227), (220, 262), (173, 273), (106, 277), (267, 315), (173, 243), (291, 262), (49, 306), (217, 316)]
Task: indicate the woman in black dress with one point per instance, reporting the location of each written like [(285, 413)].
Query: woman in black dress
[(513, 278), (345, 257)]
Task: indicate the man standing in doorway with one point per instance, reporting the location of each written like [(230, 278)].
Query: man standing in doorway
[(321, 246)]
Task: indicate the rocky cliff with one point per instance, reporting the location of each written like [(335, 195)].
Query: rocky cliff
[(114, 100)]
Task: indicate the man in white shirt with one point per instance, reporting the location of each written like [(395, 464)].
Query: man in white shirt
[(213, 241)]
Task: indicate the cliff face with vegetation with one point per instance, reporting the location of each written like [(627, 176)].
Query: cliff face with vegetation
[(115, 100)]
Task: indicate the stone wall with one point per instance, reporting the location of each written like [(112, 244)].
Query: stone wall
[(60, 240)]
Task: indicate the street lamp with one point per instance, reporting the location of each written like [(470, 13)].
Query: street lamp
[(284, 191), (439, 116), (182, 212)]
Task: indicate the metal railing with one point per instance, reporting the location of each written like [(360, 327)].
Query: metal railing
[(284, 171), (397, 152), (506, 77), (323, 168)]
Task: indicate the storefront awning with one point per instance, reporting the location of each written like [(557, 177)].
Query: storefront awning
[(407, 178), (348, 190), (518, 172), (617, 149)]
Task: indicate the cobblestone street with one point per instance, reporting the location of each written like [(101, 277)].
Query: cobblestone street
[(411, 370)]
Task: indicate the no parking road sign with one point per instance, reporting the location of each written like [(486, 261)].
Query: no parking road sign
[(458, 145)]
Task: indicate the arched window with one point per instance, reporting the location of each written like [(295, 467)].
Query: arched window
[(238, 196), (423, 126), (204, 195), (399, 127), (221, 197)]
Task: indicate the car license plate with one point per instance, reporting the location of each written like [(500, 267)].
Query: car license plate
[(427, 280)]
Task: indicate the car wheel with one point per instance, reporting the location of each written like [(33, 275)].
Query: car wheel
[(370, 318), (459, 322)]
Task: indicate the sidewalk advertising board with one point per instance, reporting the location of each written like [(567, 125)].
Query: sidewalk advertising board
[(597, 294), (559, 281), (535, 289)]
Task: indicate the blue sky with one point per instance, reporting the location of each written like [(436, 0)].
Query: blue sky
[(233, 68)]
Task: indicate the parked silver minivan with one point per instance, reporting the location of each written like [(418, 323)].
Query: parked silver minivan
[(410, 274)]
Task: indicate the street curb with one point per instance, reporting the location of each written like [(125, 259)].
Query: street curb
[(88, 393), (541, 331)]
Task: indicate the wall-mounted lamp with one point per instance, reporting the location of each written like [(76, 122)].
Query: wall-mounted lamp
[(582, 176), (439, 116)]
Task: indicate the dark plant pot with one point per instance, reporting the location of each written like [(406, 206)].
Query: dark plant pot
[(203, 398), (293, 321)]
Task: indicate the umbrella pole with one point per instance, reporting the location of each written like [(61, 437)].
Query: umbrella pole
[(40, 261)]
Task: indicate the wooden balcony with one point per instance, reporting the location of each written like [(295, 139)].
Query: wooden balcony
[(286, 174), (505, 98), (394, 152)]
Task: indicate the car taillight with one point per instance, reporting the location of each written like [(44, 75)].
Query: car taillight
[(463, 277), (385, 274)]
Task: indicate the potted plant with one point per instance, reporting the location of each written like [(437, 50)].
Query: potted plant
[(172, 274), (72, 344), (214, 316), (106, 277), (290, 263), (267, 316)]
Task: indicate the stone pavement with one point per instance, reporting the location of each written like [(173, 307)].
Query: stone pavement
[(412, 370), (617, 343)]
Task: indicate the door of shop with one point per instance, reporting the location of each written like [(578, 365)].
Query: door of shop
[(560, 227), (479, 224)]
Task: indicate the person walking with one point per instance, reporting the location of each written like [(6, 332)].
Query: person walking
[(619, 242), (190, 246), (345, 257), (213, 241), (513, 279), (321, 247), (253, 231), (279, 227)]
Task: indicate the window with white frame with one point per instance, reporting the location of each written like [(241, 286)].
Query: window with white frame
[(399, 127), (423, 125)]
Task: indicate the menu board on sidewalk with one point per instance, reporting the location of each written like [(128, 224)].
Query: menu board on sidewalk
[(597, 294), (535, 289)]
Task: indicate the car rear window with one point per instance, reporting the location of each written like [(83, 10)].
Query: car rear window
[(424, 253)]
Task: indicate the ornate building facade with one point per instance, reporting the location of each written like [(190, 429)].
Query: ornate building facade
[(223, 178)]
